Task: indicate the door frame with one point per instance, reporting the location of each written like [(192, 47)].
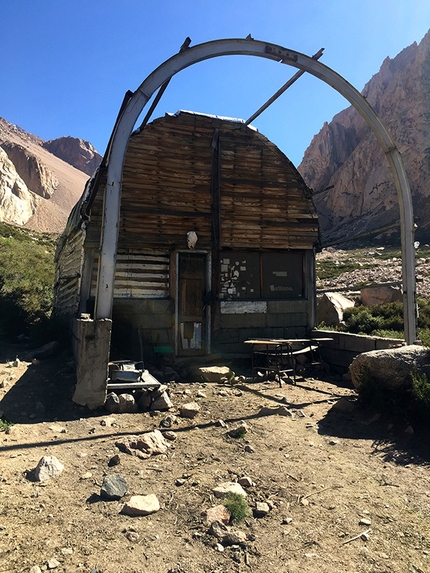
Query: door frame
[(207, 335)]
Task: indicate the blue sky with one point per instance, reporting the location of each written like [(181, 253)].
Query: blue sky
[(65, 66)]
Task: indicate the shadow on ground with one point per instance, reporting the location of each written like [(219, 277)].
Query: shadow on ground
[(394, 439), (43, 393)]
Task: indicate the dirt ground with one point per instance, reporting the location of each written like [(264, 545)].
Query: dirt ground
[(322, 470)]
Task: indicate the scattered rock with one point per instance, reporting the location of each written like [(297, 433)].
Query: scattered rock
[(140, 505), (228, 487), (52, 563), (127, 403), (144, 400), (115, 460), (365, 521), (218, 529), (48, 467), (112, 403), (168, 421), (162, 402), (169, 435), (249, 449), (239, 431), (132, 536), (189, 410), (216, 373), (245, 482), (35, 569), (144, 446), (218, 513), (234, 538), (261, 509), (114, 487)]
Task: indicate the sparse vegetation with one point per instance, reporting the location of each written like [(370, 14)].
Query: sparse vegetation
[(237, 506), (4, 425)]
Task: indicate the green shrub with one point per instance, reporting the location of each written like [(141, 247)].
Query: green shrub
[(237, 506), (26, 278)]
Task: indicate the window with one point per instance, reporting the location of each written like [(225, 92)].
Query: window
[(245, 275)]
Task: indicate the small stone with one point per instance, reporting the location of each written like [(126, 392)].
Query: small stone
[(249, 449), (132, 536), (35, 569), (364, 536), (48, 467), (114, 487), (127, 403), (162, 402), (112, 402), (114, 461), (52, 563), (169, 435), (409, 430), (234, 538), (168, 421), (239, 431), (287, 520), (218, 513), (216, 373), (245, 481), (144, 400), (333, 442), (261, 509), (67, 551), (218, 529), (220, 424), (189, 410), (180, 481), (140, 505), (86, 475), (228, 487), (364, 521), (218, 547)]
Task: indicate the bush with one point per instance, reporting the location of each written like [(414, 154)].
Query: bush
[(26, 278), (237, 506)]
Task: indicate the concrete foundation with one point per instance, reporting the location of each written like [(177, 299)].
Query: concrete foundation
[(91, 345)]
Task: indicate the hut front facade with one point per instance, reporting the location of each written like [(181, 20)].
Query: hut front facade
[(216, 243)]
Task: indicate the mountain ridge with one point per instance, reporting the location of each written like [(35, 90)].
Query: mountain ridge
[(38, 189), (346, 156)]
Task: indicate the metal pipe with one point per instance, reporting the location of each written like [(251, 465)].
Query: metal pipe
[(282, 89)]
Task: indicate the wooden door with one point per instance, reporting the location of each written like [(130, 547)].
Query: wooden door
[(191, 311)]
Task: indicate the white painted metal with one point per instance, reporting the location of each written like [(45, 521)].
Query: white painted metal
[(182, 60)]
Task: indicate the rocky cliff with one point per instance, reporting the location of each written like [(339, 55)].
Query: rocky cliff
[(346, 155), (79, 153), (37, 188)]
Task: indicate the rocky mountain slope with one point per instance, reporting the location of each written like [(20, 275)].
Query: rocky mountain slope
[(346, 155), (41, 181)]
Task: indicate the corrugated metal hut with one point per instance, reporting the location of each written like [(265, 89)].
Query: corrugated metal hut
[(216, 242)]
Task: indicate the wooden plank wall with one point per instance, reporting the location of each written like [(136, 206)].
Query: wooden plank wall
[(264, 203), (68, 275), (138, 275)]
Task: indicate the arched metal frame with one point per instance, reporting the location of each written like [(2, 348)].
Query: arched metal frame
[(228, 47)]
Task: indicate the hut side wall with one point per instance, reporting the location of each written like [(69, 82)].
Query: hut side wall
[(68, 276)]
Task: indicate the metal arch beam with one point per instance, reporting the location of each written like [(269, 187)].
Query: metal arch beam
[(228, 47)]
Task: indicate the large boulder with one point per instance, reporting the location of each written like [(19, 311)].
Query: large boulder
[(380, 294), (331, 306), (390, 369)]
